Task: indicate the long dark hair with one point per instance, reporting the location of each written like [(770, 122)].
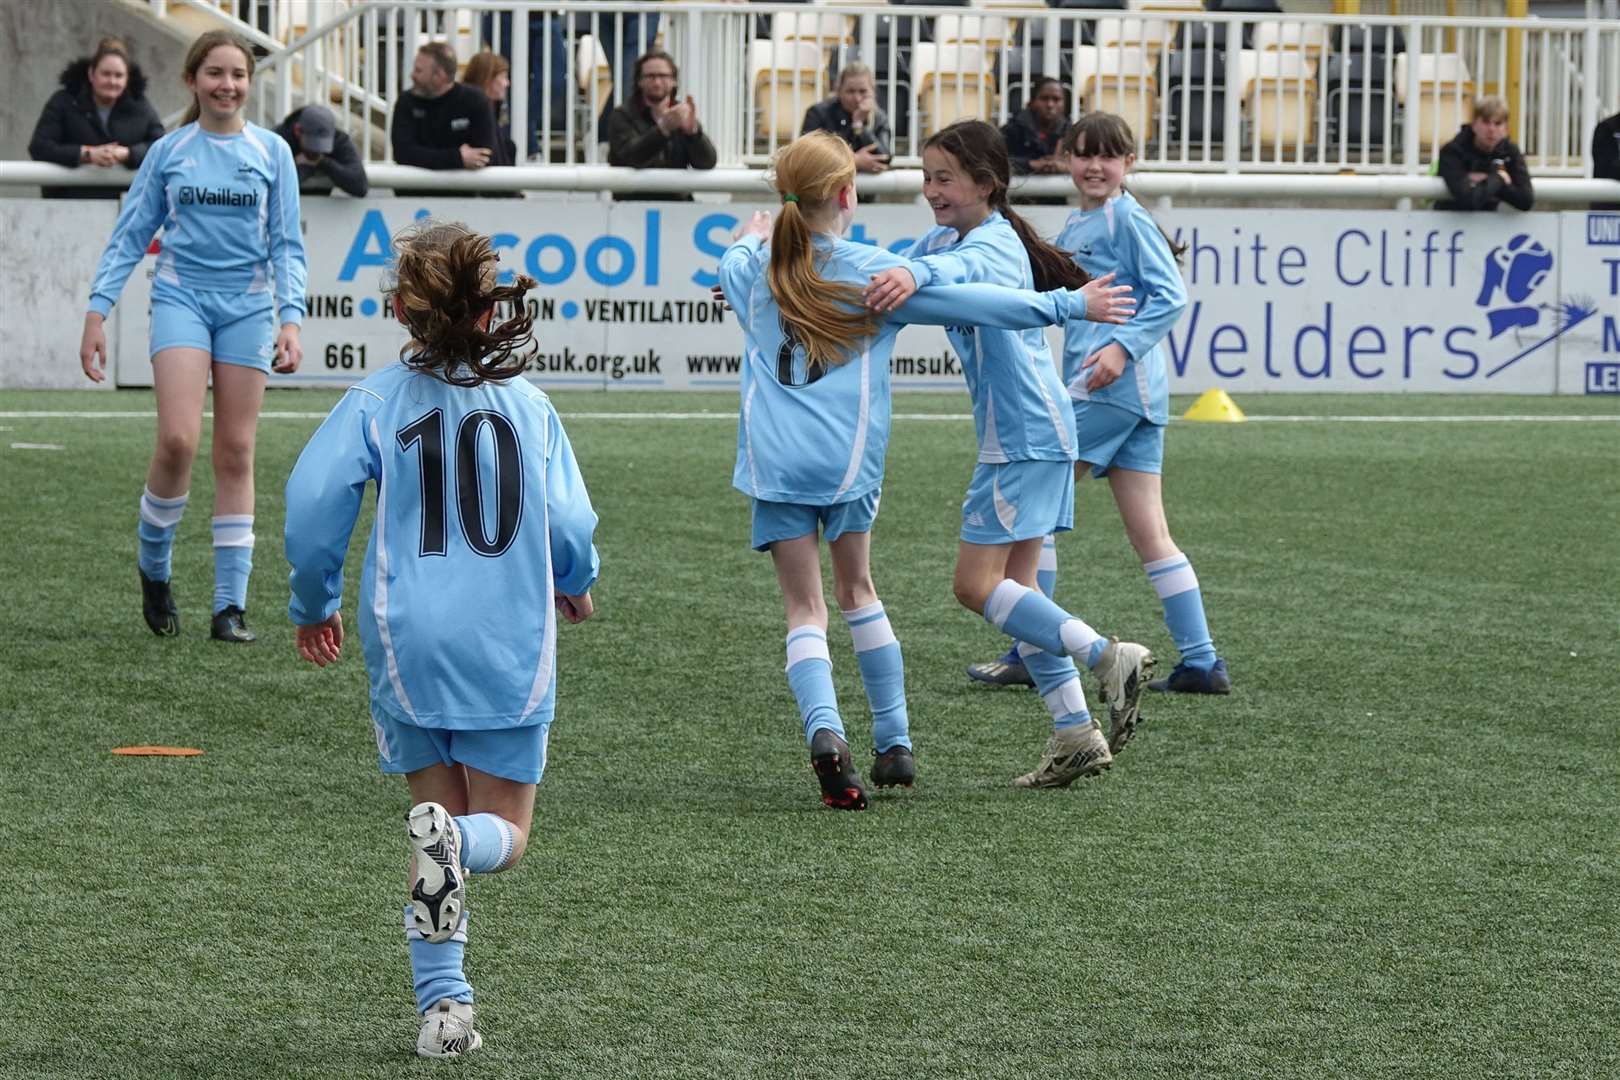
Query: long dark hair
[(444, 284), (1108, 135), (982, 153), (199, 51)]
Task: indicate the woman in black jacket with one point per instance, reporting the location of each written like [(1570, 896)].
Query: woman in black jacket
[(1481, 167), (100, 117)]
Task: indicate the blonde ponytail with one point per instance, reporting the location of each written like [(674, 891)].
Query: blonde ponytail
[(828, 318)]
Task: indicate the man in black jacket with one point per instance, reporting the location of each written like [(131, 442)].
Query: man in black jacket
[(100, 117), (1606, 155), (325, 156), (439, 123), (1481, 167)]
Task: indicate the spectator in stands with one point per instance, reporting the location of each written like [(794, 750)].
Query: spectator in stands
[(853, 115), (490, 73), (1481, 167), (1606, 155), (656, 128), (1035, 134), (440, 123), (326, 157), (100, 117)]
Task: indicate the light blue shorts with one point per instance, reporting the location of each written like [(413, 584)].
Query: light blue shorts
[(517, 753), (1018, 500), (775, 521), (233, 328), (1113, 438)]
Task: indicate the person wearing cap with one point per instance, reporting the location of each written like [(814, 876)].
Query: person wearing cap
[(325, 156)]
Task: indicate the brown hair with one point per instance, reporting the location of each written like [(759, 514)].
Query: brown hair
[(483, 67), (982, 153), (1108, 135), (444, 283), (110, 46), (1491, 107), (199, 51), (442, 55), (642, 61), (826, 317)]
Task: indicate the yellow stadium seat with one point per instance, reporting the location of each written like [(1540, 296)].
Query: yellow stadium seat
[(1118, 81), (1281, 101), (953, 82), (1445, 98), (787, 78)]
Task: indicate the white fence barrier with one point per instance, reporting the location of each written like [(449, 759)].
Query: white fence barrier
[(1202, 90), (1282, 300)]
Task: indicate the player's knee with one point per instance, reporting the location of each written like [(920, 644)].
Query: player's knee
[(233, 457), (175, 449), (969, 594)]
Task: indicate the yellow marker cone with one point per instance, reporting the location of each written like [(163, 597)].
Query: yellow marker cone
[(1215, 406)]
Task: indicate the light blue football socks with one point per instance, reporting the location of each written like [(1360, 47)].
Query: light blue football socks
[(1046, 569), (233, 560), (486, 842), (809, 675), (1173, 579), (436, 970), (883, 674), (1057, 680), (1024, 614), (160, 518)]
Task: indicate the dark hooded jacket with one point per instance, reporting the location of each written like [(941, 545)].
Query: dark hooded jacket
[(1461, 156), (70, 121), (1025, 143)]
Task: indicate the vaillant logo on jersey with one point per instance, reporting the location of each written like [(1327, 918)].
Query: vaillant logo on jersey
[(223, 196)]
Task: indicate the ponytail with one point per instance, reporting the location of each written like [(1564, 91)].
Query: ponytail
[(827, 318), (1054, 268)]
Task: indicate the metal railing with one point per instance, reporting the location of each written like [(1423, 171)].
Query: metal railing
[(1203, 91)]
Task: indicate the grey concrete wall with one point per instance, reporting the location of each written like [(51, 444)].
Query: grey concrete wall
[(51, 251), (38, 38)]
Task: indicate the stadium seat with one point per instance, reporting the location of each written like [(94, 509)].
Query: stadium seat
[(829, 31), (1308, 39), (1358, 98), (953, 82), (787, 78), (989, 32), (1281, 102), (592, 73), (1445, 95), (1132, 32), (1192, 79), (1117, 81), (1368, 39)]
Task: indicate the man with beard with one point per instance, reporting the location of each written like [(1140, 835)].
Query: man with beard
[(440, 123)]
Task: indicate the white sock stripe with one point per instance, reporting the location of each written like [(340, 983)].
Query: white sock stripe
[(1169, 562), (1078, 637), (233, 530), (163, 513), (1174, 582), (1002, 600), (807, 643), (862, 614), (1026, 649), (508, 841), (872, 634), (1066, 700), (1048, 560)]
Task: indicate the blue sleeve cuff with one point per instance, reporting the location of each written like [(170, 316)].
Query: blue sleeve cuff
[(921, 272), (101, 305), (291, 314)]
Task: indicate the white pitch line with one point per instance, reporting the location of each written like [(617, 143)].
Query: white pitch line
[(1506, 418), (36, 446)]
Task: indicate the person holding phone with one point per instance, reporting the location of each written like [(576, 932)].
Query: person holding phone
[(853, 115)]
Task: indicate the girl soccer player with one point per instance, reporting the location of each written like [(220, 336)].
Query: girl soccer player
[(231, 268), (482, 526), (1023, 484), (1117, 379), (814, 427)]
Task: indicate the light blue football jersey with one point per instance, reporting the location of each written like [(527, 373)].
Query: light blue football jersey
[(482, 518), (819, 436), (228, 207), (1121, 237), (1019, 409)]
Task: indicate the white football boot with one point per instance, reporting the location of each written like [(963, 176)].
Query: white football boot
[(447, 1031), (438, 884), (1123, 671)]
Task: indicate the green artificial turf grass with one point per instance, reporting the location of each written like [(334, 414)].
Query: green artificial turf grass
[(1391, 853)]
